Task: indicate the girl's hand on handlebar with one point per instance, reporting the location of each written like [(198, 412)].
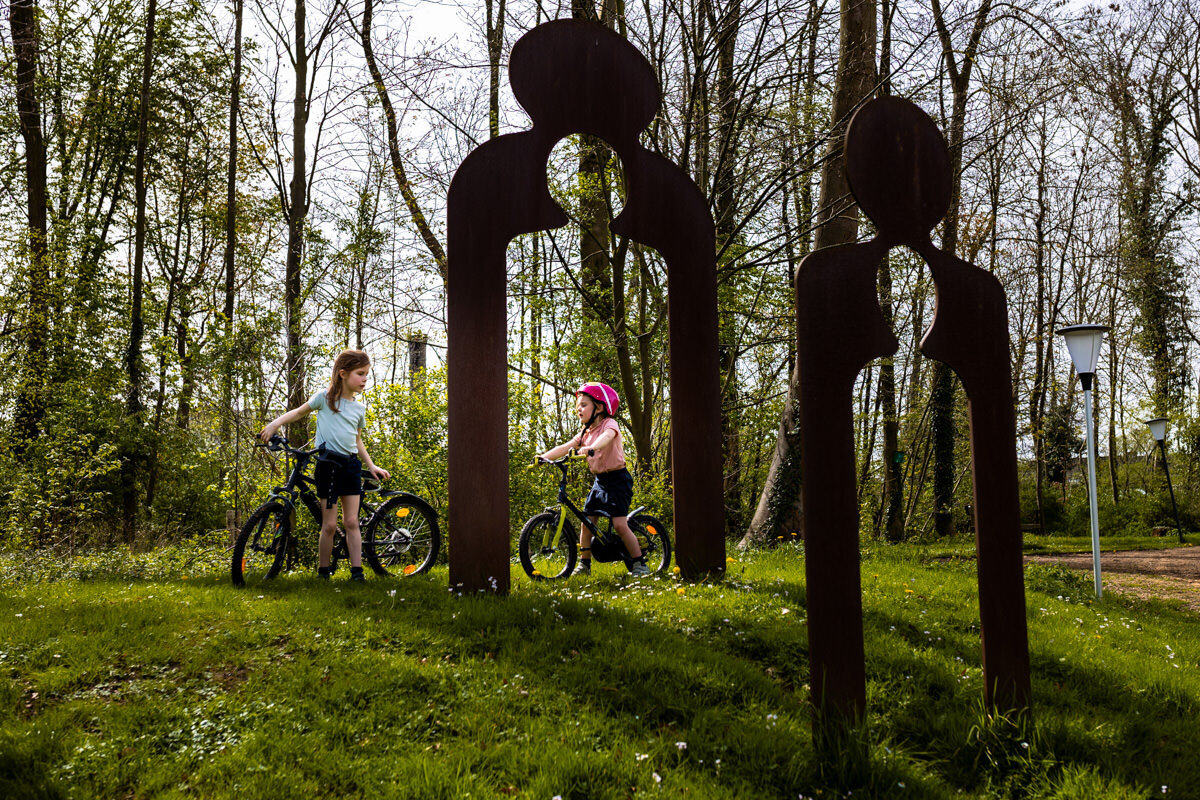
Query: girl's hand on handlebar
[(380, 474), (267, 433)]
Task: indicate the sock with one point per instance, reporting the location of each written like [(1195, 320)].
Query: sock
[(587, 562), (356, 570)]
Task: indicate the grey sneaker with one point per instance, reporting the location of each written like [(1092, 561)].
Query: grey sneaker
[(583, 568), (639, 570)]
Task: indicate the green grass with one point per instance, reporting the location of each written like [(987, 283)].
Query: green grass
[(155, 678)]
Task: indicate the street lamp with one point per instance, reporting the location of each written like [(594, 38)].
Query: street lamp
[(1083, 342), (1158, 429)]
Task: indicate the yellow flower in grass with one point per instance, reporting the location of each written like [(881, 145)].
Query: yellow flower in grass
[(674, 570), (731, 560), (537, 573), (680, 590)]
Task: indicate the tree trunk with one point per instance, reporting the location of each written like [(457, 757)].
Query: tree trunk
[(133, 357), (231, 209), (1037, 397), (594, 213), (406, 191), (30, 404), (297, 212), (417, 342), (892, 503), (944, 383), (891, 507), (495, 46), (779, 511)]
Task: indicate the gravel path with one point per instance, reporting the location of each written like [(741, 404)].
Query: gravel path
[(1166, 574)]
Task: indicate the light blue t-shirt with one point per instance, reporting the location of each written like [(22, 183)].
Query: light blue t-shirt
[(338, 431)]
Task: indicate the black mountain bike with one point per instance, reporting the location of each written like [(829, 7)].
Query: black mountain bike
[(399, 530), (547, 548)]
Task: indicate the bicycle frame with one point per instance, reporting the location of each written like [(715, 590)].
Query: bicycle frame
[(302, 487), (605, 537)]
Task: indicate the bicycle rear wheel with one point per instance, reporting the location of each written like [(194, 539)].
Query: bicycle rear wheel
[(541, 557), (261, 545), (652, 535), (402, 536)]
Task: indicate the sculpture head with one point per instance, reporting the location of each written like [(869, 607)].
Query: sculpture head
[(898, 168), (576, 76)]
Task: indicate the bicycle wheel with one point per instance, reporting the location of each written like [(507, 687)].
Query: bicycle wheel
[(656, 543), (402, 536), (540, 558), (261, 545)]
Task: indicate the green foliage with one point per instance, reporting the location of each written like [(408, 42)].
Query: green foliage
[(407, 435)]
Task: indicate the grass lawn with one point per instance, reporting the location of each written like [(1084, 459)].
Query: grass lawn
[(153, 677)]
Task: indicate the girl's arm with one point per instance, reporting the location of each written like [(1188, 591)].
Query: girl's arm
[(379, 472), (603, 440), (287, 418), (560, 451)]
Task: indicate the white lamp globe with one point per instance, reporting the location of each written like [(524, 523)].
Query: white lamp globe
[(1083, 342)]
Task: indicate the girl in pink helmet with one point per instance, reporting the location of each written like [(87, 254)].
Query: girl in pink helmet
[(612, 489)]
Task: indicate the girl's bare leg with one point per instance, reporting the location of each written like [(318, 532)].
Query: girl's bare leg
[(627, 536), (328, 529), (350, 504), (585, 539)]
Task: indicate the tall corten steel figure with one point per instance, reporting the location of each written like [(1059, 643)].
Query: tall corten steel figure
[(574, 76), (900, 174)]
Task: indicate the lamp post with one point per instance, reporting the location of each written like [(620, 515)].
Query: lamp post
[(1083, 342), (1158, 429)]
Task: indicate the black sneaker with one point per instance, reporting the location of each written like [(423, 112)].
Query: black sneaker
[(324, 573), (356, 574)]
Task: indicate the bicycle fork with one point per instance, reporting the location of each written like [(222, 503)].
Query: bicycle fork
[(556, 536)]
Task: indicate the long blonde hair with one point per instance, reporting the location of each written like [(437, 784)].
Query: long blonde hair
[(348, 361)]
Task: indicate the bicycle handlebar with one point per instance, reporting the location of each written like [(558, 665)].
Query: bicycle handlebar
[(560, 462), (278, 442)]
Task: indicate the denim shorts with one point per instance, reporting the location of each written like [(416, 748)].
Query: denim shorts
[(336, 476), (611, 494)]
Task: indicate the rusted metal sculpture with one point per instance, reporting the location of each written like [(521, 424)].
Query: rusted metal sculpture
[(574, 76), (899, 172)]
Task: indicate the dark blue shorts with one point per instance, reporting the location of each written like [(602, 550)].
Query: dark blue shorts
[(337, 475), (611, 494)]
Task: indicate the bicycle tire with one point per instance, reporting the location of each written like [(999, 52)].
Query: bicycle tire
[(655, 542), (541, 562), (261, 544), (402, 535)]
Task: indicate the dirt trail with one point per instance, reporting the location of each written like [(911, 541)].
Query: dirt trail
[(1167, 574)]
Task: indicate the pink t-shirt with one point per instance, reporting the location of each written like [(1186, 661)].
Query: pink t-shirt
[(612, 456)]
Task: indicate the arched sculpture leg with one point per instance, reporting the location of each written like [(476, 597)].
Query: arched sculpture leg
[(573, 76), (970, 335), (840, 329)]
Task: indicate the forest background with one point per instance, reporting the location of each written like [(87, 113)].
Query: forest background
[(203, 203)]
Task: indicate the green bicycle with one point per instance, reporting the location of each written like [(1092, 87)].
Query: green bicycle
[(548, 550)]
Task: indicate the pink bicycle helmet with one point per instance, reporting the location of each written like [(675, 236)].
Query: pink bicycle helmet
[(603, 394)]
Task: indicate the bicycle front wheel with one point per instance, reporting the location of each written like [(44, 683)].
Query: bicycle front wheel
[(541, 557), (656, 543), (402, 536), (261, 545)]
